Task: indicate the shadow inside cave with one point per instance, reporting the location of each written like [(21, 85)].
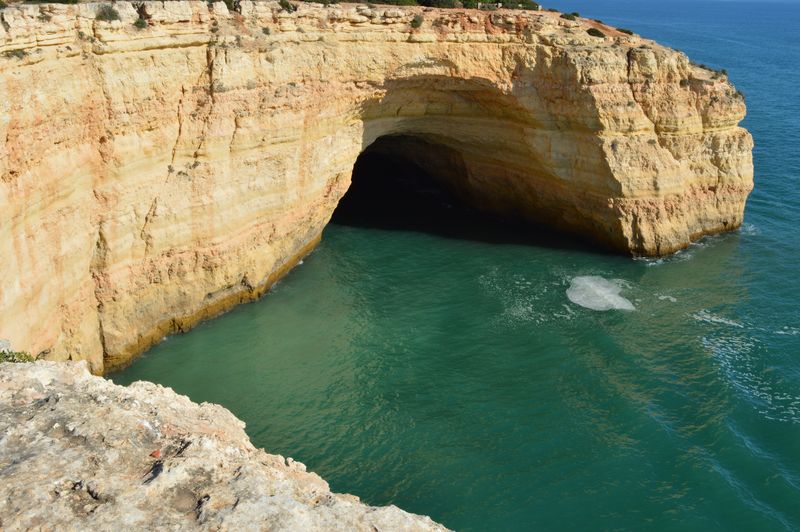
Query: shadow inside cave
[(391, 192)]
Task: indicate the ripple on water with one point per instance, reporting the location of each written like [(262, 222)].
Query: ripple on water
[(743, 369)]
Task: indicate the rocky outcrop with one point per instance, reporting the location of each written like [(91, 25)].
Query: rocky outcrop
[(80, 453), (153, 177)]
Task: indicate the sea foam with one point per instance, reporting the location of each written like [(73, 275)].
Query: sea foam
[(597, 293)]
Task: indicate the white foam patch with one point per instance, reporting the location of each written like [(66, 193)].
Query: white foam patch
[(708, 317), (748, 229), (789, 331), (597, 293)]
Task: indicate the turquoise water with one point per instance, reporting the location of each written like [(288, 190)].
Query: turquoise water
[(451, 375)]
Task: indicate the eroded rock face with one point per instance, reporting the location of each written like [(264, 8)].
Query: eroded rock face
[(153, 177), (80, 453)]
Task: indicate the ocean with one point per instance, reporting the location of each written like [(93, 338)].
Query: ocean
[(444, 366)]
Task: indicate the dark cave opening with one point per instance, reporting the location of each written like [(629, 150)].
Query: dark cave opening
[(393, 191), (390, 191)]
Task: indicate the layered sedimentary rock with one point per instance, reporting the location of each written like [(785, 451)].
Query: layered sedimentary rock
[(151, 177), (79, 453)]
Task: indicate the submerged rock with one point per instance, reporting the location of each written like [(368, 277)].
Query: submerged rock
[(79, 452)]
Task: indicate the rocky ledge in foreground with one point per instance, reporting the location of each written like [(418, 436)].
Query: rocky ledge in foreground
[(79, 452)]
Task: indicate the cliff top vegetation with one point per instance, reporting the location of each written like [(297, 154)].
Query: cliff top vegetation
[(470, 4)]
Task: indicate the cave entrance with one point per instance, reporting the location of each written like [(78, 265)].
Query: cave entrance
[(413, 183), (407, 183)]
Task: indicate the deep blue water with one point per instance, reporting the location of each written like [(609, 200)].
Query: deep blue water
[(454, 378)]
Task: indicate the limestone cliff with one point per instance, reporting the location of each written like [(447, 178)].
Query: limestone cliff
[(79, 453), (152, 177)]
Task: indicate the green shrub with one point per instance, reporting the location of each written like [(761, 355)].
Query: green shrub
[(416, 22), (3, 4), (449, 4), (399, 2), (15, 356), (625, 31), (717, 72), (594, 32), (140, 23), (16, 54), (568, 16), (234, 6), (287, 6), (523, 4), (107, 13)]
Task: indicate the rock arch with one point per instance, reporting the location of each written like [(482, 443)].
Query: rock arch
[(152, 178), (502, 150)]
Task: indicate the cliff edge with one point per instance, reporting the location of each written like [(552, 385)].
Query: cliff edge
[(78, 453), (155, 173)]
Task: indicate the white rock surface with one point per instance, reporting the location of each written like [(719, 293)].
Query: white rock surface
[(80, 453)]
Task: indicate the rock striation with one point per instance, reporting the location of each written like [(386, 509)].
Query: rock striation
[(152, 177), (78, 453)]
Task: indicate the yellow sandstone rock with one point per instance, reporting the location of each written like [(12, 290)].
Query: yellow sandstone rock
[(153, 177)]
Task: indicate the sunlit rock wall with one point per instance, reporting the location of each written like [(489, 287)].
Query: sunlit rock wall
[(153, 177)]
